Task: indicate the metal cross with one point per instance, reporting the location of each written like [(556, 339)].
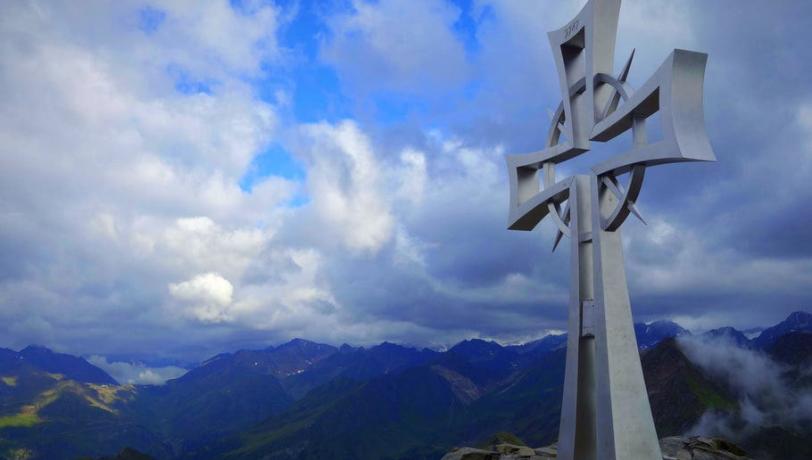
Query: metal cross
[(605, 412)]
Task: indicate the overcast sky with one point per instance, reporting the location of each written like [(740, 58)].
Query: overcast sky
[(183, 178)]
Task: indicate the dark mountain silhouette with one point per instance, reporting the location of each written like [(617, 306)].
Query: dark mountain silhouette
[(43, 359), (228, 396), (402, 415), (649, 335), (305, 400), (793, 348), (543, 345), (797, 321), (528, 405), (679, 391), (357, 364), (288, 359), (484, 363)]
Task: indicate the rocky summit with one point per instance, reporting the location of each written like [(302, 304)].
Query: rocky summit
[(673, 448)]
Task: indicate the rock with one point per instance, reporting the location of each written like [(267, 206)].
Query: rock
[(550, 451), (501, 451), (700, 448), (673, 448), (470, 453), (503, 437), (516, 451)]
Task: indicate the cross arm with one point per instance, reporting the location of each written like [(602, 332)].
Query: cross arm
[(526, 213), (676, 91)]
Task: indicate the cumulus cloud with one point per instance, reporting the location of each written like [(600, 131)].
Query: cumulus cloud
[(136, 373), (346, 183), (121, 151), (209, 295), (123, 141)]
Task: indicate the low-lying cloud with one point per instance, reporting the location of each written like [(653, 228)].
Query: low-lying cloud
[(766, 397), (136, 373)]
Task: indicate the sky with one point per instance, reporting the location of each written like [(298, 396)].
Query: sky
[(183, 178)]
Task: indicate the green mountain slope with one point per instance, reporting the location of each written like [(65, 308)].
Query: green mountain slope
[(679, 391), (461, 399), (418, 413), (46, 416), (396, 416), (188, 411)]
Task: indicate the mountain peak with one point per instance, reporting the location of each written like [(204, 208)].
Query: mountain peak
[(478, 349), (72, 367), (653, 333), (545, 344), (34, 348), (390, 346), (306, 348), (478, 344), (796, 321), (297, 342), (799, 318)]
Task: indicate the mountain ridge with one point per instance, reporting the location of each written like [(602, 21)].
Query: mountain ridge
[(47, 360), (796, 321), (314, 400)]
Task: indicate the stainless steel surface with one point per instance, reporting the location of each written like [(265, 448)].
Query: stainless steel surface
[(605, 411)]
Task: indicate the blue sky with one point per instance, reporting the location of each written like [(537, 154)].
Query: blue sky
[(216, 175)]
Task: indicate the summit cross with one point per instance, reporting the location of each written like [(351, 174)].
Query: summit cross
[(605, 412)]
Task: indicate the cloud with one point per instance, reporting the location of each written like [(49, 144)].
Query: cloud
[(766, 398), (345, 183), (136, 373), (125, 133), (225, 37), (116, 178), (412, 176), (396, 45), (666, 258), (209, 294)]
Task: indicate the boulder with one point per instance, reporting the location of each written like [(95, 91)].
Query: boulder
[(673, 448), (501, 451), (550, 451), (700, 448), (512, 449), (470, 453)]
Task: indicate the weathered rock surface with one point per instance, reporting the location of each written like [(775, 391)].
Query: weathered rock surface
[(700, 448), (502, 451), (673, 448), (470, 453)]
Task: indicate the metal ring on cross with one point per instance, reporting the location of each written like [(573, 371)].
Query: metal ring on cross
[(626, 196), (561, 219)]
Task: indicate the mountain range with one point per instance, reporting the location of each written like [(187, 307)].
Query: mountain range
[(308, 400)]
